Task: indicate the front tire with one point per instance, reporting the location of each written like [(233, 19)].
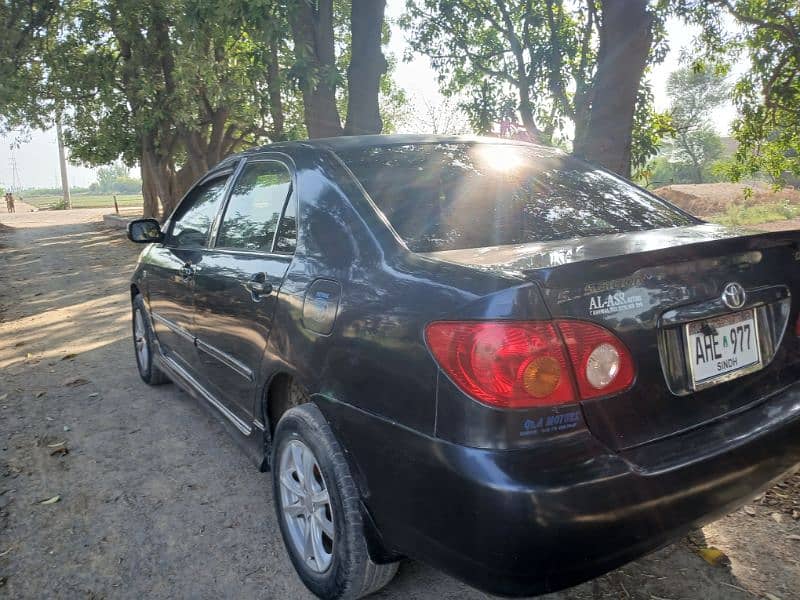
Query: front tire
[(143, 345), (318, 509)]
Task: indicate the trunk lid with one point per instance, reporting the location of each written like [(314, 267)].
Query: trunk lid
[(645, 287)]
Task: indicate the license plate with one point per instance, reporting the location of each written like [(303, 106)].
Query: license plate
[(722, 348)]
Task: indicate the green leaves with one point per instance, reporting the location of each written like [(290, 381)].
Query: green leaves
[(767, 96)]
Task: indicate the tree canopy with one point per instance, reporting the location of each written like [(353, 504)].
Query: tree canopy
[(558, 65), (176, 85), (694, 92), (767, 96)]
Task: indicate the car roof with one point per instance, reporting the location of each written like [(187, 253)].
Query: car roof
[(354, 142)]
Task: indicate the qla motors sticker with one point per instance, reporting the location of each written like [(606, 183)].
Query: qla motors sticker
[(609, 304), (550, 423)]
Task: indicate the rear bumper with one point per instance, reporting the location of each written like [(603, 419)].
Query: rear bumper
[(521, 522)]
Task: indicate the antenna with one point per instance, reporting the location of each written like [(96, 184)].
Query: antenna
[(16, 181)]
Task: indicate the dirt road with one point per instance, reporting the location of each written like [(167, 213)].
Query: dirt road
[(154, 499)]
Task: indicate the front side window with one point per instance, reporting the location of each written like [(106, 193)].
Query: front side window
[(449, 196), (192, 222), (254, 209)]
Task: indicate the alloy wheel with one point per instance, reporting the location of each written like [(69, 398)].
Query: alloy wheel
[(140, 339), (306, 506)]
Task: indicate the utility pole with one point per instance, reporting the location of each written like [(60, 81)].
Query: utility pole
[(62, 159)]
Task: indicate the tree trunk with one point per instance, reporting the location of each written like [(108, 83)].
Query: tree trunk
[(160, 186), (312, 30), (626, 35), (367, 64), (274, 90)]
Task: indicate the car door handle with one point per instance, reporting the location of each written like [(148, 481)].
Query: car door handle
[(186, 271), (258, 288)]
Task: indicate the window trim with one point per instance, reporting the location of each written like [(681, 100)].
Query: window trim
[(229, 173), (286, 162)]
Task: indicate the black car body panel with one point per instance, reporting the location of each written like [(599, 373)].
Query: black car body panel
[(512, 501), (519, 523)]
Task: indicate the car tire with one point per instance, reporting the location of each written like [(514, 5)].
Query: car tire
[(143, 345), (343, 569)]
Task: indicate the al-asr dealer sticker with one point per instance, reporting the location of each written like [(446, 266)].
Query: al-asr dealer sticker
[(609, 304)]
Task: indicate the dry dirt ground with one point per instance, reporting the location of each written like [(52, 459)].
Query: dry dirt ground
[(154, 499), (706, 199)]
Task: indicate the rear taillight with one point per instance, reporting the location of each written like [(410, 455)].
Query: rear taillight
[(797, 326), (601, 362), (526, 364), (510, 365)]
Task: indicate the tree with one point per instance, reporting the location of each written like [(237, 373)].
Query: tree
[(174, 85), (768, 95), (367, 65), (315, 65), (578, 62), (695, 91), (26, 27), (626, 36), (438, 116), (316, 69)]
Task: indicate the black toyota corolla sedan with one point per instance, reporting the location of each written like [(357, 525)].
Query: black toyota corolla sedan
[(485, 355)]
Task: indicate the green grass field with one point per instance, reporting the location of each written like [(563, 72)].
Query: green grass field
[(757, 213), (86, 201)]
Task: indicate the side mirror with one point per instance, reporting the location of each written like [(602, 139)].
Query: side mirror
[(145, 231)]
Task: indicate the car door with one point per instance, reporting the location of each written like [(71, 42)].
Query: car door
[(236, 290), (172, 267)]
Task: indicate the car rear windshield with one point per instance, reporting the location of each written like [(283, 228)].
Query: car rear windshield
[(448, 196)]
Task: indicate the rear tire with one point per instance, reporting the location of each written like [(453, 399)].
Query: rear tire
[(311, 477), (144, 346)]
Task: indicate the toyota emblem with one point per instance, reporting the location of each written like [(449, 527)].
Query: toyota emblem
[(733, 295)]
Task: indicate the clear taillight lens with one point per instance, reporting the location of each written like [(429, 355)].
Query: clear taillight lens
[(602, 364)]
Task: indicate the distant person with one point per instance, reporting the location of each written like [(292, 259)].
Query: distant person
[(10, 202)]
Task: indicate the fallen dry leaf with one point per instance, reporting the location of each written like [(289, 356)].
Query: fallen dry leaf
[(94, 395), (68, 356), (777, 517), (77, 381), (60, 451), (6, 551), (56, 445), (713, 556), (750, 511), (40, 394), (52, 500)]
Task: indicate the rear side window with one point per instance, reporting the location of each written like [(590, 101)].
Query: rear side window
[(192, 221), (448, 196), (254, 209)]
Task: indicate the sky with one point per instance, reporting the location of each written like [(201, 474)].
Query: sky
[(37, 158)]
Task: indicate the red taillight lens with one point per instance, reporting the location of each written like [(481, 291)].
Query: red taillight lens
[(505, 364), (526, 364), (797, 326), (601, 362)]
